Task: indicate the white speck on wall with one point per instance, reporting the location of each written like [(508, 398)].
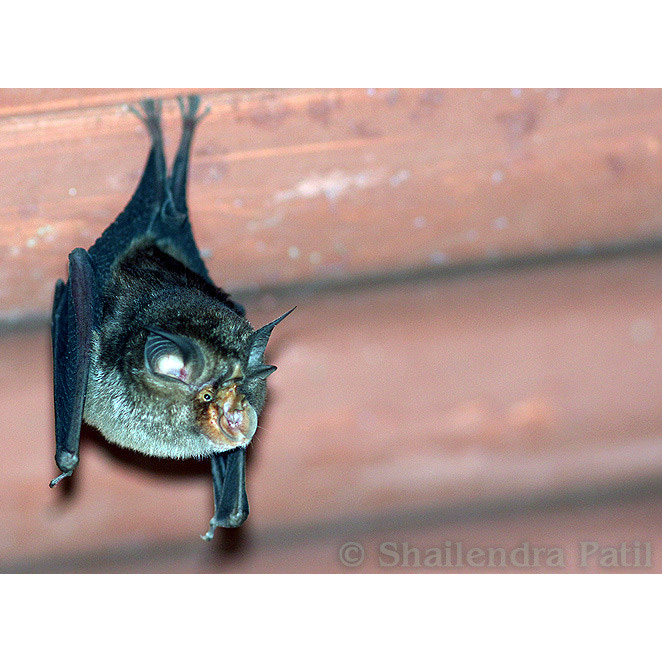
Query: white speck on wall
[(500, 223), (315, 257), (339, 247), (45, 230), (472, 235), (438, 257), (399, 177), (113, 182), (497, 177), (419, 222), (31, 242), (371, 91), (214, 173), (72, 191), (15, 251), (362, 180), (331, 185), (516, 92), (270, 222), (293, 252), (652, 144)]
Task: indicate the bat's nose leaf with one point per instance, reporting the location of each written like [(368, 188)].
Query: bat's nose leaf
[(237, 418)]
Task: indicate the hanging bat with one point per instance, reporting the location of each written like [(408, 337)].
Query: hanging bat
[(147, 349)]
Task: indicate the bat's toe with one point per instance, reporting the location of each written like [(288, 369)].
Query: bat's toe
[(230, 521)]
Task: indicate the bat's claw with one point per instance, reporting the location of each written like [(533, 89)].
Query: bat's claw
[(64, 474), (190, 115), (230, 521), (150, 117), (210, 534)]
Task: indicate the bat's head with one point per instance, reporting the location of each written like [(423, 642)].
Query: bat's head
[(223, 381)]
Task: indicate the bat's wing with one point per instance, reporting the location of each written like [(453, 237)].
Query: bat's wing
[(76, 311), (172, 227), (231, 503)]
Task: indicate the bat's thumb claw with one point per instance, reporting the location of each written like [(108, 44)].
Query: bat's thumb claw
[(55, 481), (210, 534)]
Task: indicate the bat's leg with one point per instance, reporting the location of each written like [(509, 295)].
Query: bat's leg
[(231, 503), (151, 118), (177, 182), (190, 120), (75, 315), (171, 227), (142, 212), (152, 192)]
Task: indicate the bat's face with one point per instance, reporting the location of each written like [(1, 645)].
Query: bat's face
[(214, 384), (175, 393), (176, 376)]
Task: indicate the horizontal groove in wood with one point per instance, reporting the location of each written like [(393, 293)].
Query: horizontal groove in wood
[(572, 529)]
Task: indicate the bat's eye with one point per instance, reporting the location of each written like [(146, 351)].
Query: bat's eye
[(174, 357), (207, 396), (170, 365)]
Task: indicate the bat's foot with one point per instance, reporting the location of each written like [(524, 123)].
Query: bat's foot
[(150, 117), (170, 214), (65, 474), (230, 521), (190, 115), (210, 534)]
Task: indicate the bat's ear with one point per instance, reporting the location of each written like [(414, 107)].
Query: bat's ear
[(258, 344), (261, 372), (173, 357)]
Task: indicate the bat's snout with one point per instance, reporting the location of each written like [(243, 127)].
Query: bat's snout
[(237, 419)]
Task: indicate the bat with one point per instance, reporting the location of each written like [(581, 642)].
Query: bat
[(147, 349)]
